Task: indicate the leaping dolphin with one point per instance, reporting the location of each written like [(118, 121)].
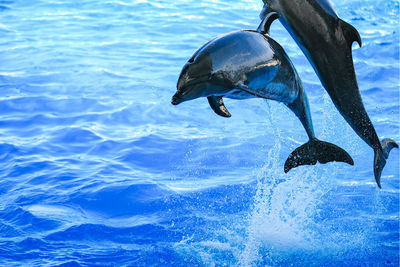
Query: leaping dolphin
[(247, 64), (326, 41)]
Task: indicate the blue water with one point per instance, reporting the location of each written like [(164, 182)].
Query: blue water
[(99, 169)]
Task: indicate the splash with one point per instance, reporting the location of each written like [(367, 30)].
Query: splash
[(285, 207), (293, 220)]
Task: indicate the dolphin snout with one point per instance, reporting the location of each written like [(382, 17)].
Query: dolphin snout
[(193, 80), (176, 99)]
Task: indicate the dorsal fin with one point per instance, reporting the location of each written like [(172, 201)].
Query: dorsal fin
[(350, 33), (217, 104), (266, 22)]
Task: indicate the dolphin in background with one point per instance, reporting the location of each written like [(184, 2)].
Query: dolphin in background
[(326, 41)]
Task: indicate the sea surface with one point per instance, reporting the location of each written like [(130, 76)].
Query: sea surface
[(97, 168)]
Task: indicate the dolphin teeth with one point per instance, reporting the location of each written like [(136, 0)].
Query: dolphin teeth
[(217, 104)]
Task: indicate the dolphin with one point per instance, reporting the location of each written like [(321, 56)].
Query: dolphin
[(246, 64), (326, 41)]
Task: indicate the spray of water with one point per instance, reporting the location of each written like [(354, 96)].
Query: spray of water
[(291, 220), (285, 205)]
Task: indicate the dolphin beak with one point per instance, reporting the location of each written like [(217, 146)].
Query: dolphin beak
[(176, 99)]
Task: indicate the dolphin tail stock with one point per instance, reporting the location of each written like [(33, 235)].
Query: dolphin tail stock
[(316, 150), (380, 156)]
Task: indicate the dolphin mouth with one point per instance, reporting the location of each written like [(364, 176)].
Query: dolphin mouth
[(184, 89), (183, 92), (176, 99), (192, 82)]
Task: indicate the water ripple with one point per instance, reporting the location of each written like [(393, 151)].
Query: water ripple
[(98, 168)]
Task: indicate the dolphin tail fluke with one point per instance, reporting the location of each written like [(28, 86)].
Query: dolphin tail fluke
[(381, 156), (316, 150)]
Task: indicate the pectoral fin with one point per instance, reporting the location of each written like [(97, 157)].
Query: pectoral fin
[(217, 104), (350, 33)]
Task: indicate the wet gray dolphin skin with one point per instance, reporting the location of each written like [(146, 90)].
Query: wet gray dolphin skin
[(326, 41), (247, 64)]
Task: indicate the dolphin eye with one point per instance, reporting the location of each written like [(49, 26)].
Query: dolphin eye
[(191, 60)]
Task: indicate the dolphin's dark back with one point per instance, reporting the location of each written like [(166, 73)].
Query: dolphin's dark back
[(238, 50), (322, 37), (305, 27), (251, 53)]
